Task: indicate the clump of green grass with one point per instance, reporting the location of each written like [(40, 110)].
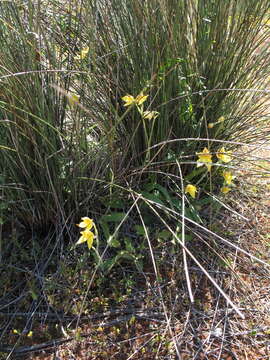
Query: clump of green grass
[(44, 135), (131, 113), (197, 61), (113, 50)]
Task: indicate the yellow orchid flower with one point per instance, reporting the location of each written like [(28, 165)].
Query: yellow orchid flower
[(191, 190), (86, 223), (130, 100), (150, 115), (224, 155), (205, 158), (220, 119), (140, 99), (83, 53), (73, 99), (87, 236), (228, 177), (225, 189)]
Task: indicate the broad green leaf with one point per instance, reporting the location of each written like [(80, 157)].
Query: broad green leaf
[(139, 230), (164, 235), (152, 197), (113, 242), (113, 217)]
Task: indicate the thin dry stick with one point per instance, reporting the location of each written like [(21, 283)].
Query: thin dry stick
[(162, 143)]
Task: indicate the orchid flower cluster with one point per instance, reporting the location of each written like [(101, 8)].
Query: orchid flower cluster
[(82, 54), (138, 101), (87, 235), (205, 159)]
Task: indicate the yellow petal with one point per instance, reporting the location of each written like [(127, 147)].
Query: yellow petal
[(208, 166), (86, 236), (191, 190), (129, 100), (86, 223), (224, 155), (205, 158), (228, 177), (220, 119), (82, 54), (90, 241), (150, 115), (73, 99), (225, 189), (140, 99), (81, 240)]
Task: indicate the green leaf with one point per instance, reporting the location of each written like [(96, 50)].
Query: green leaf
[(139, 230), (176, 203), (193, 214), (105, 229), (205, 200), (113, 242), (129, 246), (253, 333), (152, 197), (195, 172), (164, 235), (114, 217), (33, 294), (113, 202), (139, 264)]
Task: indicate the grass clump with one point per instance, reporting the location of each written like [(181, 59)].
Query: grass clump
[(131, 115), (175, 54)]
